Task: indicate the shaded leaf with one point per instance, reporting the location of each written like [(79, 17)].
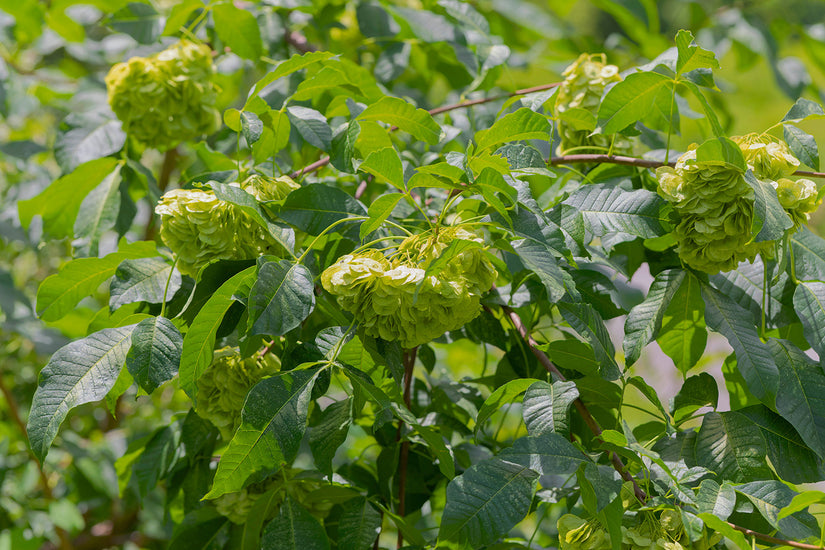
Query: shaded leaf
[(546, 407), (281, 298), (645, 319), (143, 280), (155, 354), (732, 446), (294, 528)]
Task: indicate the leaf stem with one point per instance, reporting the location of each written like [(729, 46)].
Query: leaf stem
[(166, 288), (404, 453), (325, 231), (765, 290)]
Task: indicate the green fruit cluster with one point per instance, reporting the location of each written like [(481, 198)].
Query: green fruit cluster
[(167, 98), (236, 506), (584, 83), (576, 533), (222, 388), (798, 198), (198, 227), (665, 532), (767, 156), (392, 298)]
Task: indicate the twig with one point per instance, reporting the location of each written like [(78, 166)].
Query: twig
[(774, 540), (170, 160), (403, 459), (299, 42)]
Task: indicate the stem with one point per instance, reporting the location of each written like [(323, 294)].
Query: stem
[(166, 288), (324, 232), (765, 290), (670, 124), (403, 459), (774, 540), (170, 161)]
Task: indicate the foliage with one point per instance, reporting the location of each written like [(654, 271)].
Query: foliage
[(331, 275)]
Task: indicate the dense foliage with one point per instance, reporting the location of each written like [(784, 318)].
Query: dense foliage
[(325, 275)]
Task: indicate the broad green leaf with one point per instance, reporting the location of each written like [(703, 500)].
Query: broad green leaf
[(801, 396), (609, 208), (572, 354), (140, 21), (238, 29), (809, 255), (697, 391), (155, 354), (645, 319), (330, 433), (199, 342), (546, 407), (683, 335), (578, 119), (60, 293), (724, 150), (358, 525), (143, 280), (650, 394), (809, 304), (59, 203), (770, 221), (379, 210), (769, 498), (547, 454), (294, 528), (267, 506), (98, 213), (716, 499), (801, 502), (539, 258), (744, 286), (343, 147), (429, 26), (691, 56), (726, 530), (521, 125), (599, 488), (633, 99), (710, 114), (802, 110), (251, 127), (273, 423), (80, 372), (314, 207), (417, 122), (179, 16), (291, 65), (500, 397), (802, 145), (385, 164), (584, 319), (312, 126), (199, 529), (486, 501), (753, 358), (327, 78), (86, 137), (732, 446), (159, 455), (281, 298)]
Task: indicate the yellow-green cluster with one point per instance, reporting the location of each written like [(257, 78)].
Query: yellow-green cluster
[(798, 198), (576, 533), (167, 98), (665, 532), (199, 227), (392, 299), (222, 388), (767, 156), (584, 83)]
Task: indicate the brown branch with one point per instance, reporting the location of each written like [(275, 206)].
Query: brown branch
[(774, 540), (170, 161), (403, 459), (299, 42)]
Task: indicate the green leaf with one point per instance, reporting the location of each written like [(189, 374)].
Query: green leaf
[(284, 68), (547, 454), (140, 21), (343, 147), (251, 127), (770, 221), (697, 391), (802, 145), (584, 319), (59, 203), (417, 122), (538, 257), (155, 354), (159, 455), (809, 255), (721, 150), (486, 501), (801, 502), (80, 372), (98, 213), (710, 114), (802, 110), (645, 319), (267, 506), (500, 397), (273, 423), (385, 164), (609, 208), (238, 29), (801, 396), (358, 525), (598, 487), (633, 99), (691, 56), (809, 304), (316, 206), (732, 446), (753, 358), (86, 137), (744, 286), (572, 354), (330, 433), (521, 125), (281, 298), (143, 280), (327, 78), (726, 530), (546, 407), (199, 529), (199, 342), (683, 335), (716, 499), (60, 293), (294, 528), (769, 498), (379, 210), (312, 126)]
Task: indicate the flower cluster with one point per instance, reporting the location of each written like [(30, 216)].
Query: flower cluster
[(167, 98), (199, 227), (798, 198), (584, 83), (767, 156), (222, 388), (394, 300)]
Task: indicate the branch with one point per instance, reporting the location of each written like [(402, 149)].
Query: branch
[(299, 42), (403, 459), (774, 540)]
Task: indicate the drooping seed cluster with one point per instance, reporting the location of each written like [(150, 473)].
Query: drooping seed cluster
[(715, 202), (167, 98), (199, 227), (394, 300), (222, 388), (584, 83)]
